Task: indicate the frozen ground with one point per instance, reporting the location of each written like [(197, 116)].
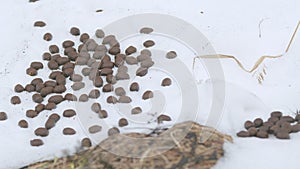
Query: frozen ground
[(232, 27)]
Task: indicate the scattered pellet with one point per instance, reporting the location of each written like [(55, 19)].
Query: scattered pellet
[(98, 81), (123, 122), (108, 88), (243, 134), (166, 82), (171, 55), (39, 24), (130, 50), (262, 134), (41, 131), (95, 129), (94, 94), (99, 33), (111, 79), (146, 30), (53, 49), (113, 131), (124, 99), (84, 37), (36, 142), (252, 131), (31, 113), (149, 43), (37, 98), (136, 110), (83, 98), (56, 99), (46, 91), (59, 89), (102, 114), (37, 65), (70, 97), (130, 60), (75, 31), (31, 71), (23, 124), (77, 86), (111, 100), (120, 91), (161, 118), (50, 106), (134, 87), (147, 95), (19, 88), (46, 56), (96, 107), (86, 142), (50, 123), (141, 71), (277, 114), (258, 122), (55, 116), (69, 131), (29, 88), (47, 36), (15, 100), (69, 113), (39, 108), (147, 63), (3, 116)]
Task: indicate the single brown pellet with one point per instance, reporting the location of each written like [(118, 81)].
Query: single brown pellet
[(123, 122), (36, 81), (147, 63), (39, 108), (130, 60), (86, 142), (243, 134), (108, 88), (83, 98), (277, 114), (52, 65), (95, 129), (50, 123), (161, 118), (171, 55), (130, 50), (53, 49), (31, 113), (96, 107), (147, 95), (146, 52), (29, 88), (84, 37), (166, 82), (120, 91), (111, 100), (68, 43), (146, 30), (54, 116), (85, 71), (15, 100), (94, 94), (262, 134), (113, 131), (68, 72), (136, 110), (69, 113), (47, 37), (56, 99), (37, 65), (70, 97), (59, 89), (98, 81), (41, 131), (50, 83), (46, 56), (141, 71), (258, 122), (77, 86), (46, 91), (114, 50), (287, 119), (37, 98), (102, 114), (75, 31), (99, 33), (23, 124), (106, 71), (50, 106), (252, 131), (31, 71), (69, 131), (248, 124), (149, 43), (19, 88), (39, 24), (62, 60), (134, 87), (124, 99), (3, 116), (36, 142)]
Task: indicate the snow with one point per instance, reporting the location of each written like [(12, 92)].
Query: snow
[(232, 27)]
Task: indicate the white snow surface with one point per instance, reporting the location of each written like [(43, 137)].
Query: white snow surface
[(232, 27)]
